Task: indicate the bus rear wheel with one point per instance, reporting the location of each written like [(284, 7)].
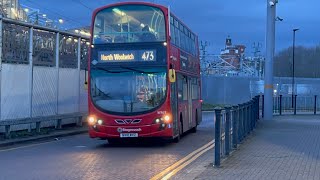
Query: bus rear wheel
[(194, 129)]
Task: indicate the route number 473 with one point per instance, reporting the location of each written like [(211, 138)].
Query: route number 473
[(148, 56)]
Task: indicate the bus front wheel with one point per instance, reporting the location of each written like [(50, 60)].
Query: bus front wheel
[(177, 139)]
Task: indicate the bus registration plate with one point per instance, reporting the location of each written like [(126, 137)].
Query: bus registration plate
[(128, 135)]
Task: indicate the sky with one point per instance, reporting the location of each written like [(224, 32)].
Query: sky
[(213, 20)]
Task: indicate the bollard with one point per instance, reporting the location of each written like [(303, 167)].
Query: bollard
[(235, 122), (256, 109), (243, 121), (295, 104), (262, 106), (292, 100), (240, 123), (280, 105), (258, 106), (249, 117), (217, 137), (315, 105), (227, 130), (252, 114)]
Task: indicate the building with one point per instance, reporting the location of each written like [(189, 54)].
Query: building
[(12, 9), (84, 31), (232, 54)]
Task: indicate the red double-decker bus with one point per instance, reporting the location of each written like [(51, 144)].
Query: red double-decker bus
[(144, 73)]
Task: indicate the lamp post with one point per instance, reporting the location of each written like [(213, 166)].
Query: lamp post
[(293, 47), (270, 48)]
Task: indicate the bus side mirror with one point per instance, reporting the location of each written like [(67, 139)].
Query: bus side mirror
[(86, 80), (172, 75), (86, 85)]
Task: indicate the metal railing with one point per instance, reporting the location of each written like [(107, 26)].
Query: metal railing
[(233, 125), (39, 120), (295, 105)]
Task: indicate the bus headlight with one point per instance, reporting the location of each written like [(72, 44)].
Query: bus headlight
[(167, 119), (91, 120), (157, 121), (100, 122)]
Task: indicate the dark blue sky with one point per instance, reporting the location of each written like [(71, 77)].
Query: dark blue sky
[(244, 21)]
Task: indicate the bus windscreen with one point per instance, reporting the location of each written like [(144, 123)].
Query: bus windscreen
[(128, 24)]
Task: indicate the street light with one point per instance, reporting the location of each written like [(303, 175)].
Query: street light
[(293, 47)]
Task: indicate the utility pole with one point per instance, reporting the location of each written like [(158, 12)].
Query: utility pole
[(203, 47), (270, 48), (256, 54), (293, 48)]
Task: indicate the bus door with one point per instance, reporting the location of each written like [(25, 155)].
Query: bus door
[(189, 107), (174, 107)]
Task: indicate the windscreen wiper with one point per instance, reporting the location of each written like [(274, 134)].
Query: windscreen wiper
[(132, 69), (103, 69), (137, 70)]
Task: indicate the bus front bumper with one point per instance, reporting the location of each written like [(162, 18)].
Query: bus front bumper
[(155, 130)]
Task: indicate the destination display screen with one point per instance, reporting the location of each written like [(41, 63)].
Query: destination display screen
[(127, 55)]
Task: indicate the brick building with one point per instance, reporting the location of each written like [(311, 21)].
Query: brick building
[(232, 53)]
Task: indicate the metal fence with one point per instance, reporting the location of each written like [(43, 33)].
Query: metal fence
[(232, 125), (42, 71), (235, 90), (296, 104)]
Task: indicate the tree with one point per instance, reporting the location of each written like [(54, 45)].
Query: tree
[(307, 62)]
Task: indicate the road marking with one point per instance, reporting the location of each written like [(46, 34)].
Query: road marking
[(176, 167), (172, 173), (181, 161), (31, 145)]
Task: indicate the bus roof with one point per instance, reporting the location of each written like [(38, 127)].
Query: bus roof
[(142, 3), (132, 3)]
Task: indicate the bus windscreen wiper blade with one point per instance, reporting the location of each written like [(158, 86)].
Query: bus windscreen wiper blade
[(132, 69), (137, 70), (103, 69)]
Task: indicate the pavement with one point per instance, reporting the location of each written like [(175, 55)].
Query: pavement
[(287, 147), (51, 136)]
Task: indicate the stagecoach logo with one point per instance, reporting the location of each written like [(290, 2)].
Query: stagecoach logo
[(120, 130)]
